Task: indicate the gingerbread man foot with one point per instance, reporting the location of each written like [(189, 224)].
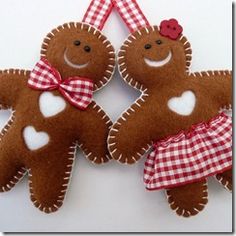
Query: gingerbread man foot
[(225, 179), (188, 200)]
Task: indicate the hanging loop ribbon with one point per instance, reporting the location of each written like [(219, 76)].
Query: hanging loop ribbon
[(97, 13), (131, 13)]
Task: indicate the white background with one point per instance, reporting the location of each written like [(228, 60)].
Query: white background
[(112, 197)]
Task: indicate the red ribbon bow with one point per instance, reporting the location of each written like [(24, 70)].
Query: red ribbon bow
[(78, 91)]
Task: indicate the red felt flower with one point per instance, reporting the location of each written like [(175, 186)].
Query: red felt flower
[(171, 29)]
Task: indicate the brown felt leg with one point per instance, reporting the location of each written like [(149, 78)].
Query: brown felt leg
[(188, 200), (48, 183), (225, 179), (93, 136)]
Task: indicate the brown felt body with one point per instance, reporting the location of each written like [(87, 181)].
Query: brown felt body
[(50, 166), (149, 119)]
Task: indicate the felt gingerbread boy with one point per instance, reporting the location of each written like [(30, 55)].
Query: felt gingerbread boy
[(179, 113), (53, 111)]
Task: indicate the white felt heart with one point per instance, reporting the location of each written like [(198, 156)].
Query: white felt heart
[(35, 140), (51, 105), (183, 105)]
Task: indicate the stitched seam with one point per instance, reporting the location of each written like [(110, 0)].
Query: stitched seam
[(15, 72), (188, 51), (144, 93), (123, 71), (184, 210), (225, 185), (85, 151), (109, 72), (210, 73), (20, 173), (67, 178), (16, 179), (9, 122)]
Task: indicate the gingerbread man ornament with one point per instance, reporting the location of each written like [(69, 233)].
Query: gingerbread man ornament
[(53, 111), (179, 113)]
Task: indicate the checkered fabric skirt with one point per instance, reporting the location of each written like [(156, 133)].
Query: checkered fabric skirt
[(190, 156)]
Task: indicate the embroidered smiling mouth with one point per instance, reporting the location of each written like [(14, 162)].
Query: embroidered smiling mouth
[(158, 63), (73, 65)]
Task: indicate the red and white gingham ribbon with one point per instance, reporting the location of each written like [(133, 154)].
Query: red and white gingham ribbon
[(98, 12), (188, 157), (131, 13), (78, 91)]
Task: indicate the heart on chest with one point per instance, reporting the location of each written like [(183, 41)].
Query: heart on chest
[(183, 105), (51, 105), (35, 140)]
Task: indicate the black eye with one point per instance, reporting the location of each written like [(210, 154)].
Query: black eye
[(147, 46), (77, 42), (159, 42), (87, 49)]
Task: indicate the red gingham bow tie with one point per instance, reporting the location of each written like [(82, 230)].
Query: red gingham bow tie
[(77, 90)]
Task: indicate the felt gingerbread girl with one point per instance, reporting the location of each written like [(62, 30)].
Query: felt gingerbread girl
[(53, 110), (178, 114)]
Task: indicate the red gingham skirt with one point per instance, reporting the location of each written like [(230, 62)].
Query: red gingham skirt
[(190, 156)]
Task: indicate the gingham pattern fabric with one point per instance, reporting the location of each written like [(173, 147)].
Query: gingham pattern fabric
[(77, 91), (188, 157), (131, 13), (98, 12)]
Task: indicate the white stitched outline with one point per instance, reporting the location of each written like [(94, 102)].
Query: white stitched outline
[(15, 180), (109, 72), (67, 178), (89, 154), (129, 80), (225, 185), (194, 208)]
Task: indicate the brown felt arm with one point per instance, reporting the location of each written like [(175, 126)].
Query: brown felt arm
[(218, 87), (131, 135), (12, 82), (92, 134), (11, 168), (10, 171)]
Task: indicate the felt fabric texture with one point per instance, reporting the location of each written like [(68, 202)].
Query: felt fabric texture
[(150, 119), (225, 179), (50, 167), (188, 200), (101, 57)]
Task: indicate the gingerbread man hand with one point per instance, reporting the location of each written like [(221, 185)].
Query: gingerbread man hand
[(47, 126)]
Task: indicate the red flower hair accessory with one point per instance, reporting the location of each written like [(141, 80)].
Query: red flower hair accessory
[(171, 29)]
